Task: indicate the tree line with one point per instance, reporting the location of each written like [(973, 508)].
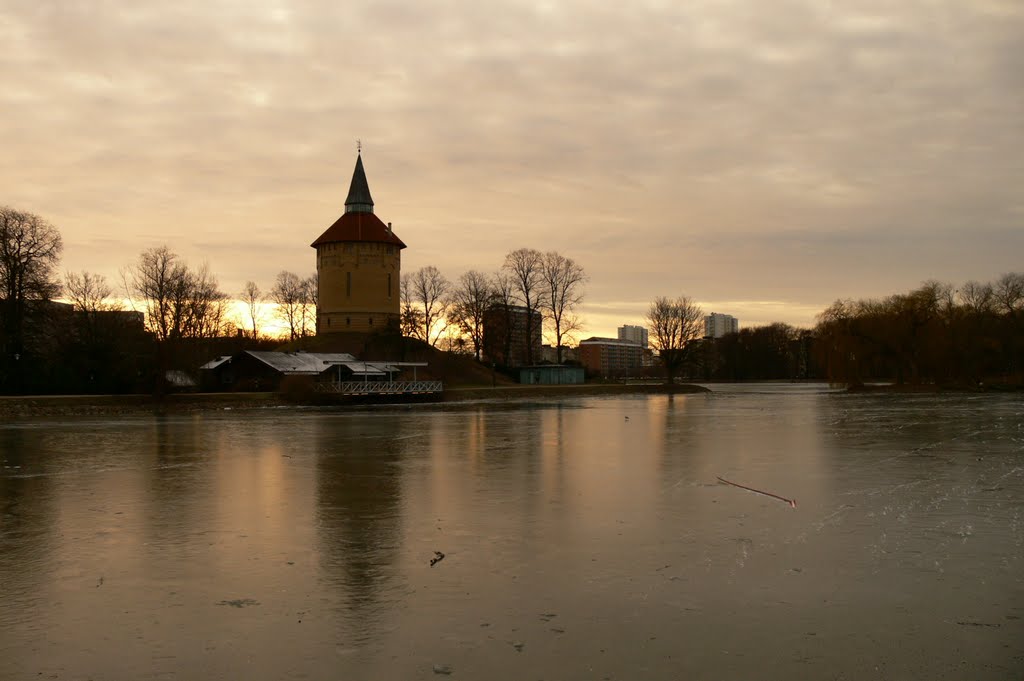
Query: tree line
[(933, 334), (104, 342), (775, 351)]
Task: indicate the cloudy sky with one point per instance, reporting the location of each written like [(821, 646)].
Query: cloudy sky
[(764, 158)]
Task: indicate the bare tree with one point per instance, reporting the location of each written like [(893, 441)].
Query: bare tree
[(562, 293), (837, 341), (429, 290), (977, 297), (252, 296), (411, 319), (307, 305), (674, 325), (525, 266), (29, 252), (1009, 295), (159, 280), (89, 292), (287, 294), (178, 302), (454, 341), (1009, 292), (471, 298), (205, 305), (499, 332)]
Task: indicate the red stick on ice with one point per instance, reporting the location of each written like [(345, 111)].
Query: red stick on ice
[(791, 502)]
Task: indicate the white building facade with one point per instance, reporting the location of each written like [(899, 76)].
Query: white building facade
[(636, 334), (717, 325)]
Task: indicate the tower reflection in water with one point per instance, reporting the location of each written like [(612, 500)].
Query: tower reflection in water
[(358, 513)]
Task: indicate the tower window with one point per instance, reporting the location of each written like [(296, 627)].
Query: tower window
[(348, 284), (389, 284), (348, 321), (371, 321)]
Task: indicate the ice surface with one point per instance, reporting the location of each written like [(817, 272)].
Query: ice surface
[(578, 543)]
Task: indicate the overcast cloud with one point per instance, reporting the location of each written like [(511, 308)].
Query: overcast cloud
[(764, 158)]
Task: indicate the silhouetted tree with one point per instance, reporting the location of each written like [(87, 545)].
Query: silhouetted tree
[(499, 328), (90, 293), (179, 304), (774, 351), (411, 318), (429, 289), (562, 293), (206, 306), (104, 348), (977, 298), (160, 280), (287, 294), (674, 326), (252, 296), (836, 347), (30, 249), (526, 269), (1009, 292), (307, 305), (471, 298)]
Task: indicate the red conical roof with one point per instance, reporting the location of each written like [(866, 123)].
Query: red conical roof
[(358, 223), (358, 227)]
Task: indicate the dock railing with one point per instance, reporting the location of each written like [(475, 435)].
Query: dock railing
[(380, 387)]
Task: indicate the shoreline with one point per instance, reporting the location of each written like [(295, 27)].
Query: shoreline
[(29, 406), (932, 389)]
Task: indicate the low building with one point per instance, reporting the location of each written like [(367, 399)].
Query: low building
[(551, 374), (610, 357), (257, 370), (549, 354)]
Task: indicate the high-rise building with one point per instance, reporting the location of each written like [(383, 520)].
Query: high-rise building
[(358, 266), (717, 325), (637, 334)]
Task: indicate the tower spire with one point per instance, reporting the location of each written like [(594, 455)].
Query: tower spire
[(359, 199)]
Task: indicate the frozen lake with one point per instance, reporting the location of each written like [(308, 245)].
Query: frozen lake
[(582, 539)]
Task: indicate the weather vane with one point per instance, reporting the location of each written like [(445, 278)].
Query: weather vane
[(359, 146)]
